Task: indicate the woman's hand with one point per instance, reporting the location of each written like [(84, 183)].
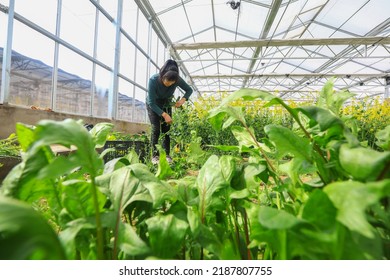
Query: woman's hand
[(180, 102), (167, 118)]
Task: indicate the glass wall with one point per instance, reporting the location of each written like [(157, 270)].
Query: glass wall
[(78, 24), (63, 57), (31, 68), (73, 83), (3, 28), (29, 11)]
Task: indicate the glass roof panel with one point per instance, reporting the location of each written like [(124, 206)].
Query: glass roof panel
[(308, 15), (172, 20), (161, 6), (337, 13), (313, 4), (296, 33), (203, 36), (251, 20), (274, 38), (348, 67), (196, 8), (375, 63), (224, 35), (381, 51), (288, 13), (322, 51), (319, 30), (312, 64), (364, 20), (225, 17)]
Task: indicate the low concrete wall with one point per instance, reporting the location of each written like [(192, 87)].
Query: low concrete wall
[(10, 115)]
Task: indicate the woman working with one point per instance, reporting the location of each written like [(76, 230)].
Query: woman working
[(161, 89)]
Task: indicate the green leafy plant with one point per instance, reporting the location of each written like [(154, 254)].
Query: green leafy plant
[(24, 234), (307, 191), (9, 147), (341, 172), (120, 136)]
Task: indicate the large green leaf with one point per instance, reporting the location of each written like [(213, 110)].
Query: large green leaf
[(338, 99), (217, 116), (166, 235), (252, 173), (39, 164), (362, 163), (272, 218), (332, 100), (228, 167), (135, 183), (323, 117), (219, 245), (117, 163), (130, 243), (352, 198), (326, 126), (194, 221), (277, 101), (123, 187), (325, 94), (164, 170), (319, 211), (67, 133), (68, 236), (25, 135), (22, 181), (210, 180), (186, 190), (217, 242), (100, 132), (58, 167), (313, 239), (24, 234), (76, 235), (288, 143), (159, 190), (195, 153), (383, 138), (275, 228), (295, 167), (359, 247), (245, 137), (78, 201)]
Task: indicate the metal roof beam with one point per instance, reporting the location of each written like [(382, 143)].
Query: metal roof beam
[(284, 42), (192, 59), (273, 75)]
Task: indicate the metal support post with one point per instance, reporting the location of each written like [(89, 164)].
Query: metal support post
[(7, 56), (56, 53), (93, 81), (135, 66), (113, 94)]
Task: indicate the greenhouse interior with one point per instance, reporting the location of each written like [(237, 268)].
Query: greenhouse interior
[(270, 142)]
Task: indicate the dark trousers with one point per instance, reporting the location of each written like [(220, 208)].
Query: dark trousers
[(159, 126)]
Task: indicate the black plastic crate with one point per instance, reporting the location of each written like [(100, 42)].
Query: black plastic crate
[(122, 148)]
